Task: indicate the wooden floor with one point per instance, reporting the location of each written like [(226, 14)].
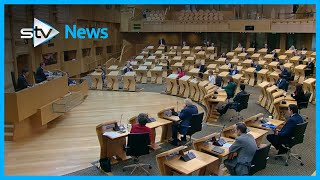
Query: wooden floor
[(70, 142)]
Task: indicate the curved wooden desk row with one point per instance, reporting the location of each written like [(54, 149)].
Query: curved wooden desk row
[(31, 109)]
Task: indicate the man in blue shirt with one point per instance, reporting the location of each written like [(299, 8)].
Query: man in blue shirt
[(278, 138), (185, 117)]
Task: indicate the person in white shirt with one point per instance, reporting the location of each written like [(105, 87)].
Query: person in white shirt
[(212, 78)]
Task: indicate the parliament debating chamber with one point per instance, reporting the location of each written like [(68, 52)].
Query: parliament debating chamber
[(221, 90)]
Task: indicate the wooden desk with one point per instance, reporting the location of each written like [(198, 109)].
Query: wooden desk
[(224, 68), (172, 86), (272, 66), (249, 76), (129, 81), (184, 86), (150, 48), (246, 64), (210, 50), (144, 53), (176, 66), (275, 95), (262, 63), (172, 54), (202, 90), (156, 75), (263, 95), (148, 64), (112, 68), (221, 61), (258, 134), (255, 56), (30, 109), (96, 80), (139, 58), (142, 73), (263, 51), (299, 75), (274, 76), (262, 75), (206, 164), (289, 66), (194, 88), (289, 53), (158, 54), (185, 48), (224, 76), (281, 107), (250, 50), (134, 64), (161, 48), (238, 50), (295, 60), (255, 122), (112, 79), (176, 59), (269, 91), (151, 59), (234, 61), (185, 54), (189, 63), (230, 55), (212, 67), (194, 72), (313, 54), (201, 55), (268, 58), (211, 101), (309, 85), (237, 79), (242, 56)]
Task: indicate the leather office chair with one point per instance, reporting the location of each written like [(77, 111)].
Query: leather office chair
[(241, 105), (14, 82), (138, 145), (297, 138), (260, 159), (195, 126), (304, 105)]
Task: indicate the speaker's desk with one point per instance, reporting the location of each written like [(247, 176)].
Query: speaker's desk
[(184, 86), (129, 81), (96, 80), (113, 83), (172, 85)]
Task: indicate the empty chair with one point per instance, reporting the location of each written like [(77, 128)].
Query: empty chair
[(241, 105), (260, 159), (297, 138), (195, 126), (304, 104), (138, 145)]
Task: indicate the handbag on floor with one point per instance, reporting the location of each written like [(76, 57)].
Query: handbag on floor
[(105, 164)]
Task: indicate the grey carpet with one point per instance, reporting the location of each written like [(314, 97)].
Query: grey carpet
[(274, 167)]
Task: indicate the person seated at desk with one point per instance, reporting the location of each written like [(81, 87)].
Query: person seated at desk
[(202, 69), (141, 127), (22, 81), (282, 83), (298, 94), (310, 67), (40, 75), (99, 68), (228, 63), (241, 151), (185, 116), (234, 71), (278, 138), (235, 102), (211, 78), (180, 72), (275, 55), (230, 87), (184, 43), (128, 68), (284, 72), (266, 47), (256, 65), (223, 55)]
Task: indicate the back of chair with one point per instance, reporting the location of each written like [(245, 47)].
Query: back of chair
[(243, 102), (14, 82), (305, 103), (138, 144), (298, 134), (195, 124), (260, 158)]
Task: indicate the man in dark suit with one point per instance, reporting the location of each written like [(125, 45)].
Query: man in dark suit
[(22, 81), (40, 76), (162, 42), (284, 72), (278, 138), (310, 67), (241, 152), (202, 69), (235, 102), (185, 117), (234, 71), (281, 83)]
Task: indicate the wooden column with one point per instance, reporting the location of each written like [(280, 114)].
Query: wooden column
[(283, 39)]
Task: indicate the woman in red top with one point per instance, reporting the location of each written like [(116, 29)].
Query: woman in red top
[(141, 127), (180, 73)]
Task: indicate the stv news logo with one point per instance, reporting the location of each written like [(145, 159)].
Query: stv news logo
[(43, 32)]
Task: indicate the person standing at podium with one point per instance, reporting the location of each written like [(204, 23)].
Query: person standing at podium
[(22, 81), (40, 76)]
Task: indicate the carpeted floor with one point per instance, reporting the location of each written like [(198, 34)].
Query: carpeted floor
[(274, 167)]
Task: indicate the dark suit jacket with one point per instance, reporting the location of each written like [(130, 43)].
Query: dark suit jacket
[(258, 67), (236, 99), (287, 129), (299, 97), (22, 83), (40, 76), (127, 70), (230, 88), (285, 73), (281, 83), (163, 42), (186, 116), (310, 65), (234, 72)]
